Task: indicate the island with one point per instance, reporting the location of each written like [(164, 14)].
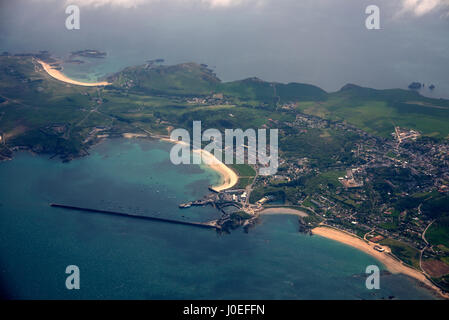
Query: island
[(363, 163), (89, 53), (415, 86)]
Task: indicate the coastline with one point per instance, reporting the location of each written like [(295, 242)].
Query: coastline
[(392, 265), (58, 75), (230, 178), (283, 211)]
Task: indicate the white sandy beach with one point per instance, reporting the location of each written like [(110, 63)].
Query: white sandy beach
[(393, 265), (58, 75), (230, 178), (283, 211), (134, 135)]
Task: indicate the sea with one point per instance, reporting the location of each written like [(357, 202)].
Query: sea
[(121, 258), (325, 44), (125, 258)]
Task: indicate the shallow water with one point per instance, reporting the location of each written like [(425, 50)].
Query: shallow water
[(130, 259)]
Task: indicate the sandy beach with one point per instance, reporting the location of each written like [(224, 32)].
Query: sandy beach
[(230, 178), (134, 135), (282, 210), (392, 265), (58, 75)]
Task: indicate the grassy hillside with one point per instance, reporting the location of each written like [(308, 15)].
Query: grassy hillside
[(294, 92), (438, 233), (378, 111), (251, 89), (437, 207), (324, 148), (50, 116), (256, 90), (33, 101), (184, 79)]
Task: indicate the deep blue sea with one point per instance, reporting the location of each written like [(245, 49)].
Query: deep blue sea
[(122, 258), (325, 43)]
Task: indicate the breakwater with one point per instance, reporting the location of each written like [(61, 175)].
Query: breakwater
[(207, 225)]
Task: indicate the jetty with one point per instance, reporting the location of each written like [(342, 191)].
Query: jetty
[(197, 203), (206, 225), (213, 190)]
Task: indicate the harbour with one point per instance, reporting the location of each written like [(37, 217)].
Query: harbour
[(207, 225)]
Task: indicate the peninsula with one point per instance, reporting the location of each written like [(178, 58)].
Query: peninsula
[(366, 162)]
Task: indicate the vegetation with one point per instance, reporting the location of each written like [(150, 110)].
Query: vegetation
[(438, 233), (403, 251), (378, 111), (240, 215), (243, 170), (48, 116), (187, 79), (324, 148), (151, 97), (436, 207)]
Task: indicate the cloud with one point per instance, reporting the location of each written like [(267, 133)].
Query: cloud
[(422, 7), (136, 3), (115, 3)]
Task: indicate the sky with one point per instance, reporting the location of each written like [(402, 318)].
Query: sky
[(417, 7), (322, 42)]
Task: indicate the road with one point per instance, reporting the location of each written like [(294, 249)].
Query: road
[(423, 236)]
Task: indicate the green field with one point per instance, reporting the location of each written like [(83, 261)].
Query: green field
[(403, 251), (55, 118), (438, 233), (243, 170), (152, 99), (378, 111), (323, 147), (246, 174)]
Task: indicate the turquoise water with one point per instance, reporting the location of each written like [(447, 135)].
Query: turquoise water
[(94, 69), (121, 258)]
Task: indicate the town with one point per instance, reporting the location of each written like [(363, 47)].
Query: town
[(369, 194)]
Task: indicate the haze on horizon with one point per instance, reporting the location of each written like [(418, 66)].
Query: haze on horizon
[(323, 42)]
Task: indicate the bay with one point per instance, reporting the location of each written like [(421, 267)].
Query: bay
[(122, 258)]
